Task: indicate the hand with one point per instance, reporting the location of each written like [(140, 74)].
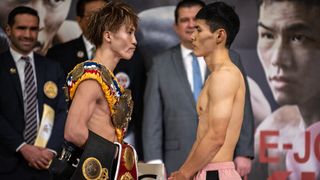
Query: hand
[(47, 154), (177, 175), (173, 173), (37, 157), (243, 165)]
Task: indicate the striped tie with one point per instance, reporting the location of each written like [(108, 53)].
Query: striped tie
[(30, 131)]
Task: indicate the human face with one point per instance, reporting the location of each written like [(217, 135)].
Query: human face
[(89, 9), (288, 48), (123, 42), (23, 33), (52, 13), (186, 24), (202, 39)]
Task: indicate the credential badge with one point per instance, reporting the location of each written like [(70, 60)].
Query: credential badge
[(50, 89), (80, 54), (123, 79), (13, 70)]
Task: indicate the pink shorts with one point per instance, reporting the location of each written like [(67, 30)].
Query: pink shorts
[(219, 171)]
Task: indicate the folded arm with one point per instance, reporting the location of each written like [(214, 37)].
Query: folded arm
[(80, 112)]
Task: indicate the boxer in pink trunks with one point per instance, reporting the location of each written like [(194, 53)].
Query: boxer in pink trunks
[(218, 171), (221, 102)]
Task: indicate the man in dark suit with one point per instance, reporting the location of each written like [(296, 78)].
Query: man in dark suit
[(80, 49), (32, 102), (170, 118)]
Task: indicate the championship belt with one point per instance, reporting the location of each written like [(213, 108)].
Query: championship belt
[(64, 165), (119, 99), (127, 164), (97, 160)]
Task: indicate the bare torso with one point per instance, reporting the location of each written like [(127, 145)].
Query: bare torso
[(100, 121), (234, 126), (89, 111)]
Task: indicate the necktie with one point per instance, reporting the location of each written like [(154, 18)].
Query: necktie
[(30, 131), (196, 73)]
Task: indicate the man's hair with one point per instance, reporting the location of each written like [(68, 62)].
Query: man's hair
[(21, 10), (220, 15), (186, 4), (81, 6), (305, 2), (110, 18)]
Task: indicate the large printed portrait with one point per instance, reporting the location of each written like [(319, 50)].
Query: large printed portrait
[(279, 45), (54, 26)]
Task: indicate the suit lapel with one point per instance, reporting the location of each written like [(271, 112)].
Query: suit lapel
[(40, 73), (80, 47), (13, 73), (181, 72)]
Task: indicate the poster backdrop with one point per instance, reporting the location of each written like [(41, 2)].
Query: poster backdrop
[(279, 45)]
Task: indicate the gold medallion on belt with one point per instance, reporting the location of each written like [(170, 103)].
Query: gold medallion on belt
[(128, 158), (92, 170), (126, 176)]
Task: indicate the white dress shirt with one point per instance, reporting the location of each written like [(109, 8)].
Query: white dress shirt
[(20, 64), (187, 62), (88, 46)]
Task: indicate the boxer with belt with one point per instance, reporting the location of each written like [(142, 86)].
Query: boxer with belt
[(100, 109)]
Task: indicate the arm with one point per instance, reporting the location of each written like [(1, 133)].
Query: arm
[(40, 157), (11, 110), (191, 154), (218, 114), (245, 143), (244, 150), (80, 112), (12, 140), (9, 137), (152, 118), (260, 104)]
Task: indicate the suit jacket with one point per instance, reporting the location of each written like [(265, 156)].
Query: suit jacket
[(12, 108), (136, 74), (69, 54), (170, 119)]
